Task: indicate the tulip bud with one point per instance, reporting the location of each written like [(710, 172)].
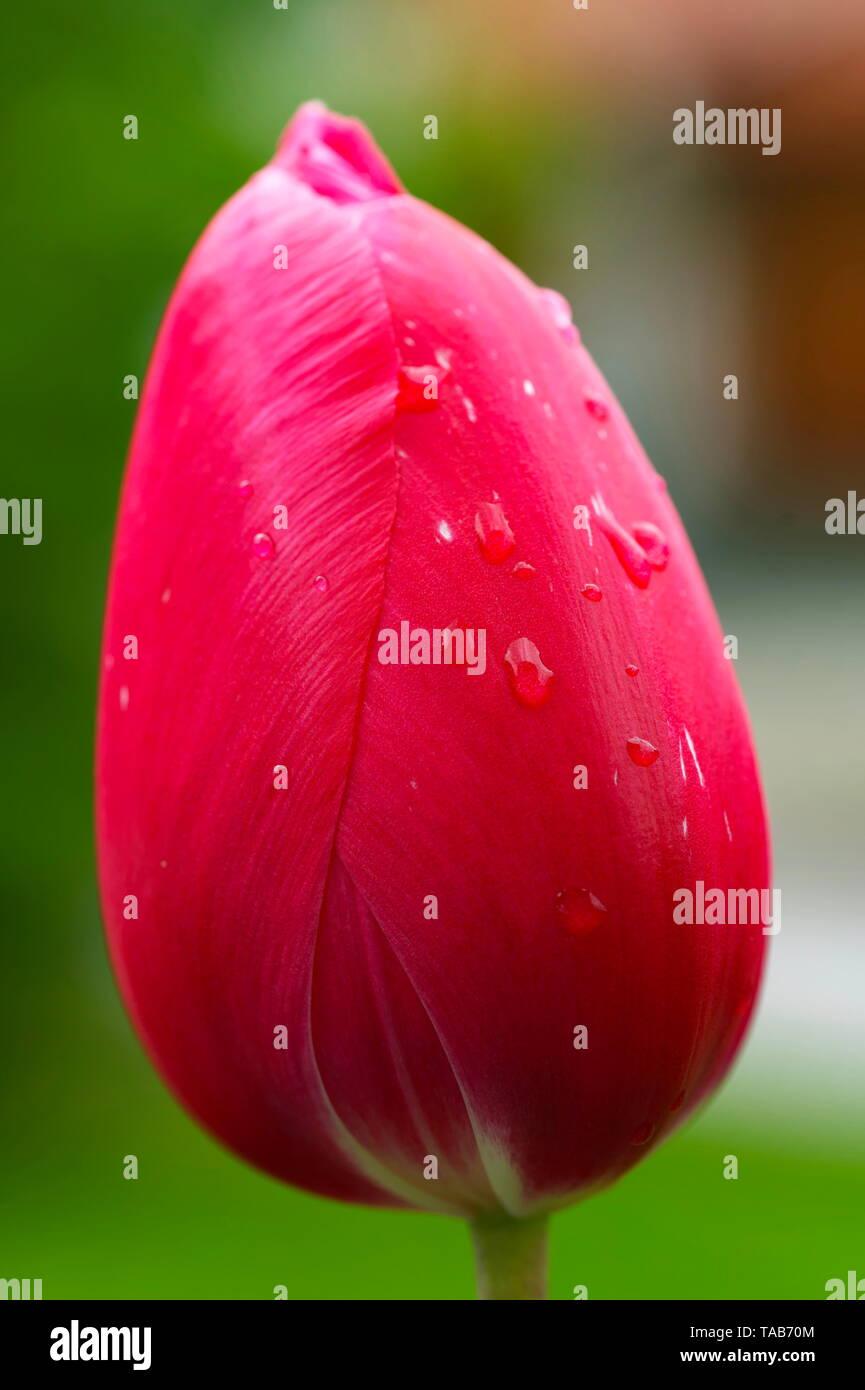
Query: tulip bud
[(388, 946)]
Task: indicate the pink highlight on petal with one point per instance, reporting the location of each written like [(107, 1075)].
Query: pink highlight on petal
[(335, 157)]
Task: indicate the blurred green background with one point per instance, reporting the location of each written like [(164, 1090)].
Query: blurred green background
[(554, 129)]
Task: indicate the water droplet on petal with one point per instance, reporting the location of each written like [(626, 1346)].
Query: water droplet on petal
[(643, 1133), (592, 592), (109, 661), (529, 388), (631, 556), (123, 696), (642, 752), (418, 389), (523, 570), (632, 670), (597, 408), (166, 595), (678, 1102), (245, 489), (581, 909), (560, 313), (444, 532), (654, 543), (494, 532), (660, 483), (530, 678), (263, 546), (320, 583)]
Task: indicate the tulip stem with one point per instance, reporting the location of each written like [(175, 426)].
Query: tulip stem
[(511, 1257)]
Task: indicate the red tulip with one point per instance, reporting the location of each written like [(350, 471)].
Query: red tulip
[(360, 908)]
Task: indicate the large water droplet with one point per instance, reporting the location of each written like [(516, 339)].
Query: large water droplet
[(654, 543), (530, 678), (494, 532), (581, 909), (628, 552), (632, 670), (263, 546), (560, 312), (592, 592), (642, 752), (418, 389)]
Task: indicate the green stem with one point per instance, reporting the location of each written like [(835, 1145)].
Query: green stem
[(511, 1257)]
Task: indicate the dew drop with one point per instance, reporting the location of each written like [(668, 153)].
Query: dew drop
[(530, 678), (580, 909), (123, 696), (109, 661), (529, 388), (643, 1133), (418, 389), (642, 752), (632, 670), (245, 489), (592, 592), (597, 408), (444, 532), (560, 313), (494, 532), (263, 546), (320, 583), (628, 552), (469, 408), (678, 1102), (653, 542), (523, 570), (166, 595)]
